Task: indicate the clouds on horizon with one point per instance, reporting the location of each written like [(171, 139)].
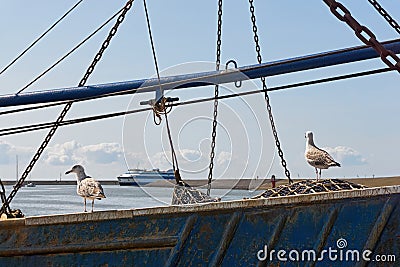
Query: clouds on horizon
[(72, 152), (346, 156), (110, 158), (8, 152)]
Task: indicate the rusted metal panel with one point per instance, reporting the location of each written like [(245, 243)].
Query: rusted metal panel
[(216, 234)]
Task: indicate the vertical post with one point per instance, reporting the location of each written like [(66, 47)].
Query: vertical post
[(159, 94)]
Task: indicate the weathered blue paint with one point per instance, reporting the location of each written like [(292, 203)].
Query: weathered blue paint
[(216, 234), (201, 79)]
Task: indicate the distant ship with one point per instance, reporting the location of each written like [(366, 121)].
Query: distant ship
[(137, 177)]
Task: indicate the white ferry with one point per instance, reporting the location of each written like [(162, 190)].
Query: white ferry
[(137, 177)]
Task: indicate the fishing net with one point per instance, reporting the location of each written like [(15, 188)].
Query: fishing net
[(309, 187), (8, 212), (188, 195)]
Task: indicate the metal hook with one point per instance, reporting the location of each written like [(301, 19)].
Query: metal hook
[(238, 84), (229, 62)]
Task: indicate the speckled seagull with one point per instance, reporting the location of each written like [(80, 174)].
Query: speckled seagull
[(87, 187), (316, 157)]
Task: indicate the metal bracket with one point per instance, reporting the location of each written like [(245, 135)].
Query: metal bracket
[(153, 102)]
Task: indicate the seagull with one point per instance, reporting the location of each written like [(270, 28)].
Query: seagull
[(316, 157), (87, 187)]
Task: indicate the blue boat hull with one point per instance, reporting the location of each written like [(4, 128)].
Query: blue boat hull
[(236, 233)]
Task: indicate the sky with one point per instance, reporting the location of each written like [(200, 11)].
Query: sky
[(355, 120)]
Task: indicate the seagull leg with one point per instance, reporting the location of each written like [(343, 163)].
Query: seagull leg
[(85, 203), (320, 173), (316, 171), (92, 204)]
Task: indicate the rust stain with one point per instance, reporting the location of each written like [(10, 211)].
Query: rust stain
[(229, 205)]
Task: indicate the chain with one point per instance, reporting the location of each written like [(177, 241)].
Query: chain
[(106, 43), (364, 34), (216, 93), (67, 107), (264, 84), (385, 15), (7, 209)]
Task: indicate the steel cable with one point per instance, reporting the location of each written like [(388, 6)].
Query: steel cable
[(41, 126), (70, 52), (40, 37)]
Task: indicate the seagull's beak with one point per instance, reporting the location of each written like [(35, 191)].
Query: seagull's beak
[(68, 172)]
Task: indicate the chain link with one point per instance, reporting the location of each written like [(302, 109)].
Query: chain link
[(67, 107), (385, 15), (216, 93), (7, 209), (364, 34), (264, 84)]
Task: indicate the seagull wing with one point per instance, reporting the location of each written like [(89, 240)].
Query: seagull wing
[(90, 188), (328, 159), (319, 157)]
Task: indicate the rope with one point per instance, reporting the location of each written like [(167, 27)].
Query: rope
[(41, 126), (40, 37), (152, 44), (159, 104)]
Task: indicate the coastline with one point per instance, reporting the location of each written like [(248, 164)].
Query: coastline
[(52, 182), (244, 184)]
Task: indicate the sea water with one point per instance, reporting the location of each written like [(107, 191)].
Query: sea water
[(61, 199)]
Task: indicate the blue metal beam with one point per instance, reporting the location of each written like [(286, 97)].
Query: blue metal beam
[(201, 79)]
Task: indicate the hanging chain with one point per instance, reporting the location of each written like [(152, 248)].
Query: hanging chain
[(106, 43), (265, 89), (364, 34), (385, 15), (67, 107), (7, 209), (216, 93)]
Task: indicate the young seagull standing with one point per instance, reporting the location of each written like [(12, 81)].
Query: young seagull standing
[(87, 187), (316, 157)]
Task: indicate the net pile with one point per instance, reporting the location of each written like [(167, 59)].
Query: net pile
[(188, 195), (309, 187)]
